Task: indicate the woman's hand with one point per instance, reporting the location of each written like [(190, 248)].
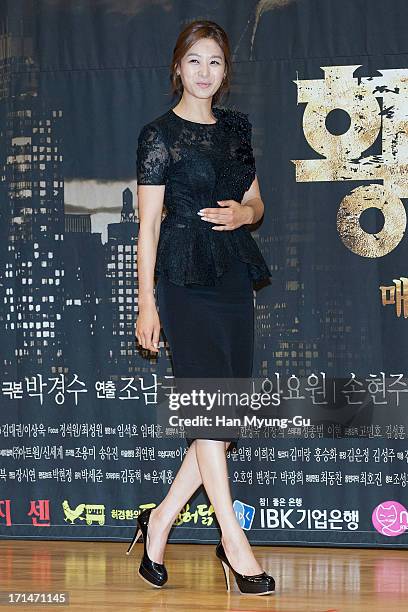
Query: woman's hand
[(148, 327), (232, 215)]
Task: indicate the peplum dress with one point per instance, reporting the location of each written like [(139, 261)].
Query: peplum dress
[(204, 291)]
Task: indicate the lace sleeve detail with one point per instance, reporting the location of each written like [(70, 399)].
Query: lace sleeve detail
[(152, 157), (246, 148), (241, 125)]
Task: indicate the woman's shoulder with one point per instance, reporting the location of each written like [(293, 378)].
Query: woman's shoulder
[(156, 123), (234, 118), (233, 115), (236, 121), (154, 130)]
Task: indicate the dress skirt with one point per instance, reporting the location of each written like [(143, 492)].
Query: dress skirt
[(210, 332)]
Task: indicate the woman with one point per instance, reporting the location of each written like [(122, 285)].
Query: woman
[(197, 159)]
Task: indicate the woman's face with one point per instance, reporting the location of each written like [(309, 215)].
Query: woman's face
[(202, 68)]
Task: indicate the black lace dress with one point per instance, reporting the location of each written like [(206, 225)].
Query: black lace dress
[(204, 291)]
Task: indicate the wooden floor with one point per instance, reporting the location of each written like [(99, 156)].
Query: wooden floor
[(100, 576)]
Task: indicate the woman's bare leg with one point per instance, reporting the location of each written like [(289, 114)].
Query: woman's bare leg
[(162, 517), (212, 463)]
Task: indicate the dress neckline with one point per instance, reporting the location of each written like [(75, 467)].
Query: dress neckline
[(215, 112)]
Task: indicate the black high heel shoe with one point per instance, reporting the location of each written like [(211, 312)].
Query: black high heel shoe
[(153, 573), (258, 584)]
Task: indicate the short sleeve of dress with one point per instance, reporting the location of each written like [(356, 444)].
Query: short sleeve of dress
[(247, 144), (152, 160), (245, 151)]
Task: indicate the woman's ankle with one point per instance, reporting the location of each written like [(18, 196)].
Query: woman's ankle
[(164, 520), (232, 541)]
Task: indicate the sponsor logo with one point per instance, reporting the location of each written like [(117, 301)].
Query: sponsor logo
[(244, 513), (390, 518)]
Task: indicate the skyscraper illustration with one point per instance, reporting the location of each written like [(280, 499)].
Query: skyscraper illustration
[(121, 273), (32, 184)]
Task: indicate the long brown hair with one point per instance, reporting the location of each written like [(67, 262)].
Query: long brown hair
[(196, 30)]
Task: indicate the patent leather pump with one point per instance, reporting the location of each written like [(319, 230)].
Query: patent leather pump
[(257, 584), (150, 571)]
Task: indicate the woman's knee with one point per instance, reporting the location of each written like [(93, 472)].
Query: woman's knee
[(210, 440), (226, 443)]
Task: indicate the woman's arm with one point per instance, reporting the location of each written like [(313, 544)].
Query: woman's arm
[(152, 164), (233, 214), (252, 199), (150, 205)]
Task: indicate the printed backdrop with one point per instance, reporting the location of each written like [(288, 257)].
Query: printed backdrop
[(325, 86)]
